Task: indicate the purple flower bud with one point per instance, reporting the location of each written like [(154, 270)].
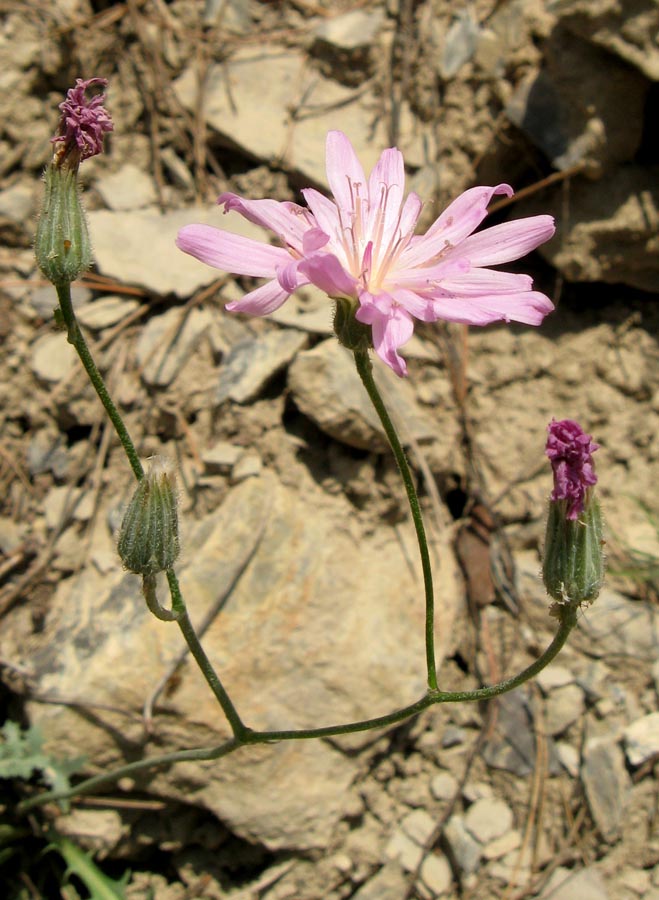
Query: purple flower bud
[(82, 124), (570, 451)]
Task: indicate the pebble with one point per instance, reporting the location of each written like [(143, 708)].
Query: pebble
[(53, 358), (488, 819), (436, 874), (419, 826), (563, 706), (642, 739), (45, 453), (404, 850), (476, 790), (568, 756), (351, 30), (465, 849), (453, 736), (444, 786), (502, 845)]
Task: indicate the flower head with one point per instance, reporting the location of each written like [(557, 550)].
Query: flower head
[(361, 246), (570, 451), (82, 124)]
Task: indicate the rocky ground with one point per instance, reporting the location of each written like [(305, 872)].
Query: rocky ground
[(298, 547)]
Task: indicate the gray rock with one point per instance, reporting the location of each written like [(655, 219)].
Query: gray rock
[(129, 188), (11, 535), (137, 247), (465, 850), (607, 785), (326, 387), (642, 739), (459, 44), (167, 343), (253, 362), (488, 819), (512, 746), (566, 884), (46, 453)]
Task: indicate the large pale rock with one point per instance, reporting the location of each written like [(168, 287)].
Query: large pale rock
[(326, 388), (137, 246), (271, 105), (324, 625)]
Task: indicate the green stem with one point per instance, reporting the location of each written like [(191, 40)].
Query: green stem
[(568, 619), (75, 337), (364, 368), (199, 654)]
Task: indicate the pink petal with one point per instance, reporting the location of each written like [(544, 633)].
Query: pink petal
[(480, 282), (231, 252), (529, 307), (343, 170), (410, 213), (314, 239), (326, 272), (390, 331), (503, 243), (261, 301), (324, 212), (420, 307), (288, 220), (457, 221), (386, 186)]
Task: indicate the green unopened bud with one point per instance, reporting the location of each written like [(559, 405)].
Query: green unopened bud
[(62, 245), (573, 566), (148, 538)]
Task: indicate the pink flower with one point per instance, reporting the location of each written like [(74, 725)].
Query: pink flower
[(361, 246), (570, 450), (82, 124)]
